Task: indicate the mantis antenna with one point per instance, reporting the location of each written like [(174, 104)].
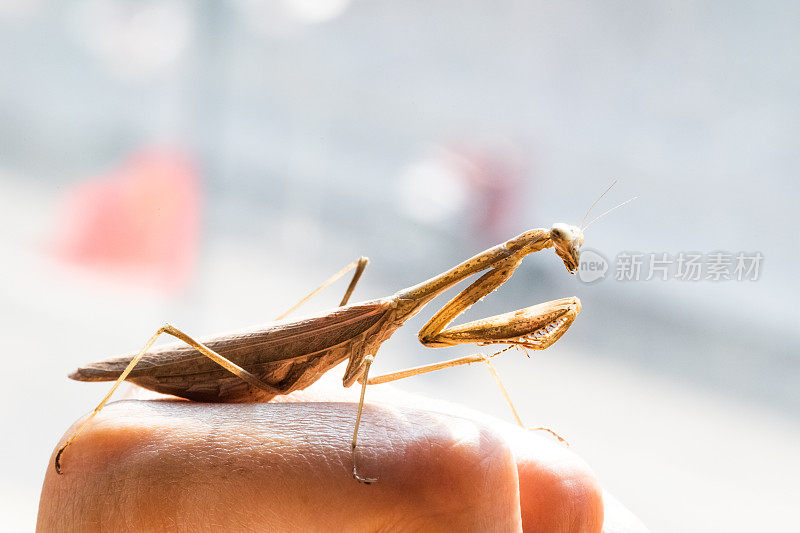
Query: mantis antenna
[(595, 202), (595, 219)]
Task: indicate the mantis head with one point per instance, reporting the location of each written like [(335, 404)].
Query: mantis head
[(567, 241)]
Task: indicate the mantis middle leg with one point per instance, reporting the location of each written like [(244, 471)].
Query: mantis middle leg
[(466, 360)]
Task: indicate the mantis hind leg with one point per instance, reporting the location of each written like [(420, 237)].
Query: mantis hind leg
[(359, 265), (170, 330)]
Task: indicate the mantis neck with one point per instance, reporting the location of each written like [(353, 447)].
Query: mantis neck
[(411, 300)]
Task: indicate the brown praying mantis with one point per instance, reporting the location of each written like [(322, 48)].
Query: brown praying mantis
[(257, 364)]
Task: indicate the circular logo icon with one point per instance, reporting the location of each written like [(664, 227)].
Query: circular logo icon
[(593, 266)]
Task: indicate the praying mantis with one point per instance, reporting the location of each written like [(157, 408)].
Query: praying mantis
[(257, 364)]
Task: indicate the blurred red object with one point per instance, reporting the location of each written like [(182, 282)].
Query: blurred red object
[(495, 175), (140, 222)]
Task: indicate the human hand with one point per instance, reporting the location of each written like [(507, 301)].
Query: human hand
[(285, 465)]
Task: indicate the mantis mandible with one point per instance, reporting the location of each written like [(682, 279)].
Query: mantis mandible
[(257, 364)]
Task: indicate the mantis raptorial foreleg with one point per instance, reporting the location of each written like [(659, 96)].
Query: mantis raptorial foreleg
[(178, 334), (433, 332), (535, 327)]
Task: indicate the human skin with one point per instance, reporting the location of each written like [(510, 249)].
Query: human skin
[(166, 464)]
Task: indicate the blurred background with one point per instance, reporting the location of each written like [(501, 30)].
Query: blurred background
[(209, 162)]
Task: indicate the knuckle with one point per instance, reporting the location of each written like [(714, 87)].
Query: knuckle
[(475, 477), (567, 497)]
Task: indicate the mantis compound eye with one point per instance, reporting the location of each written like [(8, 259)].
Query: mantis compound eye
[(567, 241)]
